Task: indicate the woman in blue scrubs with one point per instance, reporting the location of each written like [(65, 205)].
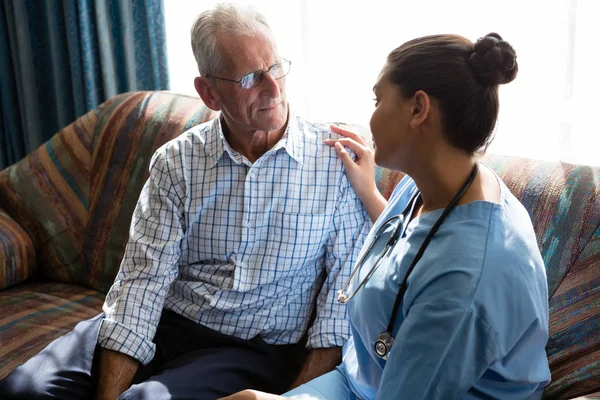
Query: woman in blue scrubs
[(449, 298)]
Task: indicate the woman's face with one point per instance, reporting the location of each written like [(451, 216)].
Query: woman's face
[(390, 125)]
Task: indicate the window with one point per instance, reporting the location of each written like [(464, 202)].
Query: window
[(548, 112)]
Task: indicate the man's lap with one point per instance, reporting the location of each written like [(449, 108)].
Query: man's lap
[(191, 361)]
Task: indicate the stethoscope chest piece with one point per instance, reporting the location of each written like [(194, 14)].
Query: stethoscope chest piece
[(383, 345)]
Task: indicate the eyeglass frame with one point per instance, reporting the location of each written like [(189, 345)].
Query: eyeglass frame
[(262, 74)]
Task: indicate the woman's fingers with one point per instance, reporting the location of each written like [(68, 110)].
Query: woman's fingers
[(356, 147), (344, 156), (349, 134)]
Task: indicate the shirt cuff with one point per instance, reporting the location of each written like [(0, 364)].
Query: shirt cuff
[(117, 337), (328, 333)]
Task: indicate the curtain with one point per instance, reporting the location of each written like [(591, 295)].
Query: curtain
[(61, 58), (339, 47)]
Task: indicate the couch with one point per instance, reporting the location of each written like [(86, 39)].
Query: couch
[(65, 211)]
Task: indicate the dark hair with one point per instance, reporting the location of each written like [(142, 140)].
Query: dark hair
[(463, 77)]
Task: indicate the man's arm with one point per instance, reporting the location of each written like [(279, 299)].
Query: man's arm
[(134, 304), (317, 363), (115, 373)]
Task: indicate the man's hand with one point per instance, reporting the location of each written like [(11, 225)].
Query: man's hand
[(252, 395), (317, 363), (115, 374)]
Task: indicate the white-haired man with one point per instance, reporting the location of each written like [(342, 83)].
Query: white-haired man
[(243, 233)]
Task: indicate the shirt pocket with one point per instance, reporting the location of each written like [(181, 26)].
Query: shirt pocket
[(296, 243)]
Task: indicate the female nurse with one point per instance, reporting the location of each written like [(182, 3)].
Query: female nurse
[(448, 299)]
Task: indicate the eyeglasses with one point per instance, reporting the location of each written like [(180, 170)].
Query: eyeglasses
[(253, 79)]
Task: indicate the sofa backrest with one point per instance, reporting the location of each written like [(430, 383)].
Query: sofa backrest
[(75, 196)]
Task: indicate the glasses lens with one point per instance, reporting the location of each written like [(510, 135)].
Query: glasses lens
[(280, 70), (251, 80)]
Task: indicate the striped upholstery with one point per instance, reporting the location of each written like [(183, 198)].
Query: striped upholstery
[(387, 180), (47, 194), (34, 314), (74, 198), (17, 254), (90, 175)]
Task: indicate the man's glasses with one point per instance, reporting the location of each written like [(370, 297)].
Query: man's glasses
[(253, 79)]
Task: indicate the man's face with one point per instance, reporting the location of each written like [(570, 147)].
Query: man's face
[(262, 108)]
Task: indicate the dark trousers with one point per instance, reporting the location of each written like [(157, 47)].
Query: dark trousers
[(191, 362)]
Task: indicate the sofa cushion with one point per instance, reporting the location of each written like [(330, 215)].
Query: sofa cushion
[(17, 255), (75, 195), (574, 345), (33, 314), (387, 180), (47, 193)]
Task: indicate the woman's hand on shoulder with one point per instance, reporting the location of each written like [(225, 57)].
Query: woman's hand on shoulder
[(361, 172)]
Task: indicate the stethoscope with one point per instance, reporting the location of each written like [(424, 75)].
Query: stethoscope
[(385, 340)]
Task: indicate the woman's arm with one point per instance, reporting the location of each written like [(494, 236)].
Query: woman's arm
[(361, 172)]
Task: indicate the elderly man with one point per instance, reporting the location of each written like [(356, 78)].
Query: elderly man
[(243, 232)]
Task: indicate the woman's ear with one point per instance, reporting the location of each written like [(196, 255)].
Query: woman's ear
[(207, 93), (421, 105)]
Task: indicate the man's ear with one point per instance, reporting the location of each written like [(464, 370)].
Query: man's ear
[(207, 93), (421, 105)]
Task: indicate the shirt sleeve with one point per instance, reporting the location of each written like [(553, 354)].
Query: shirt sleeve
[(134, 303), (440, 352), (351, 225)]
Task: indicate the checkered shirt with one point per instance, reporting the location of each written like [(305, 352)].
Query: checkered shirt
[(246, 249)]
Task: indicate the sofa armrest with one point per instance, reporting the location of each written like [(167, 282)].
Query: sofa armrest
[(17, 253)]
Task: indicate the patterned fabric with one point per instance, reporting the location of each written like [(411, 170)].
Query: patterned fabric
[(47, 194), (34, 314), (387, 180), (243, 248), (17, 254), (90, 175), (59, 59)]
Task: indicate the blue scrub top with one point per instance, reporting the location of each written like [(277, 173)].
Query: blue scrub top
[(473, 322)]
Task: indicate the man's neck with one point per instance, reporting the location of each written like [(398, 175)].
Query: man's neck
[(252, 144)]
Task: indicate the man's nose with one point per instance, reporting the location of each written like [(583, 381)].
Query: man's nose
[(270, 86)]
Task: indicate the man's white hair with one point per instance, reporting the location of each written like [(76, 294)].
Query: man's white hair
[(226, 17)]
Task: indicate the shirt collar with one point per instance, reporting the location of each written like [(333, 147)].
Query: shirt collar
[(291, 141)]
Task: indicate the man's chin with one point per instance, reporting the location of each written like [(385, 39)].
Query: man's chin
[(274, 119), (273, 125)]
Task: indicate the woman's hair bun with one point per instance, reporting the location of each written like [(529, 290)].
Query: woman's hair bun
[(493, 60)]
